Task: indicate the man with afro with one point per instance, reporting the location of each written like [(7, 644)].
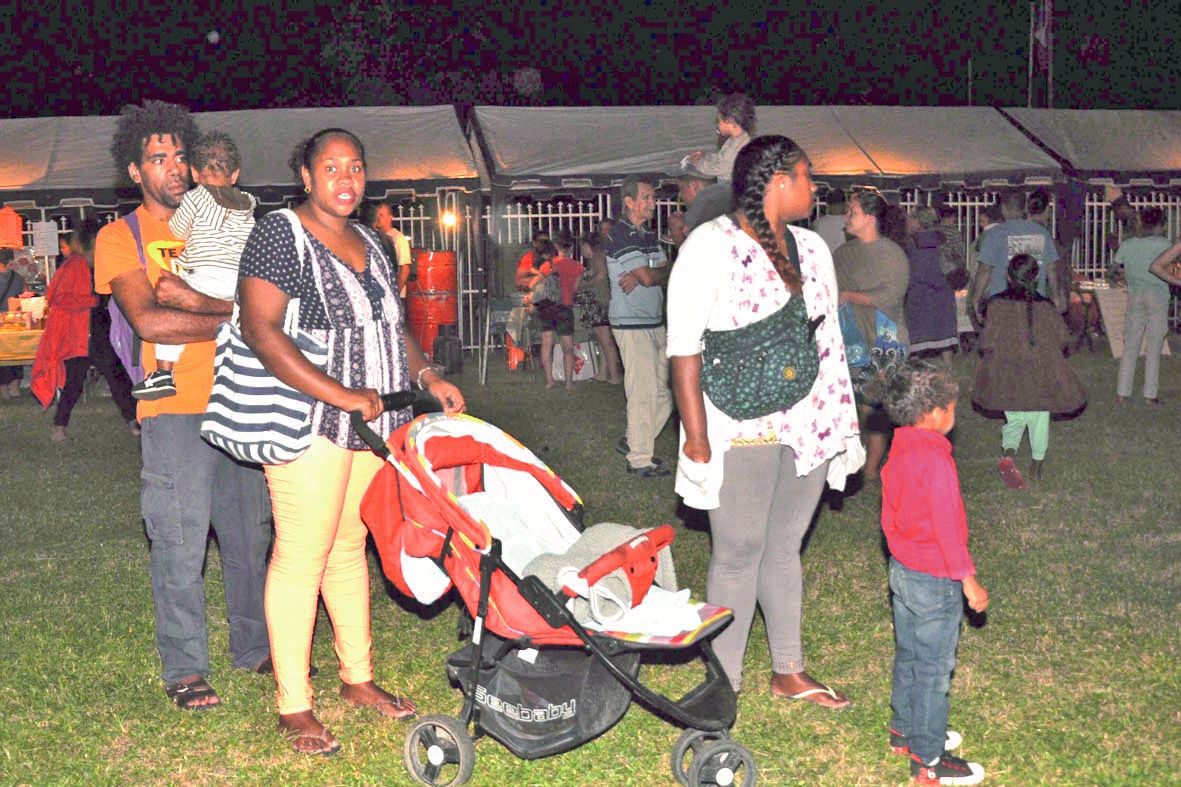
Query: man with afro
[(186, 483)]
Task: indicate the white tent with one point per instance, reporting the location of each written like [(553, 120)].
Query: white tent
[(1108, 145), (557, 147), (935, 147), (421, 147)]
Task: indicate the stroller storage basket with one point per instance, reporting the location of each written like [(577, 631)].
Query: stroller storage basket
[(543, 702)]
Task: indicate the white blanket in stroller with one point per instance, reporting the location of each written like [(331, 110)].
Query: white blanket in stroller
[(544, 543), (609, 602)]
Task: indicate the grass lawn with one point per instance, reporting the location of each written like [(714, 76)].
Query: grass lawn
[(1072, 679)]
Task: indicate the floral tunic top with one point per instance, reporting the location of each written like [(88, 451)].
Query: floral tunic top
[(358, 315), (724, 280)]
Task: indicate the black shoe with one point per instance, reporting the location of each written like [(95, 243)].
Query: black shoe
[(157, 385), (1035, 469), (948, 769), (654, 470)]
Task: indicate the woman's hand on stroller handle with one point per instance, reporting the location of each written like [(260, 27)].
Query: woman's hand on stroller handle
[(365, 401), (386, 402), (447, 394)]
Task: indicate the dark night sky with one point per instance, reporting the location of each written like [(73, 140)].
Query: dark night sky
[(1114, 54)]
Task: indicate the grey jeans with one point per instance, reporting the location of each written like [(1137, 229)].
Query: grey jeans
[(186, 485), (757, 529)]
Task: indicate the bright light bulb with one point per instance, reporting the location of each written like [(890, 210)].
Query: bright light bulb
[(448, 219)]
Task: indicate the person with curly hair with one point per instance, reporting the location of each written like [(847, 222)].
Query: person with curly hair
[(214, 219), (930, 569), (761, 478), (186, 483), (735, 122)]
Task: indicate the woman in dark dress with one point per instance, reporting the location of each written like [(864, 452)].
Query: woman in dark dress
[(930, 300)]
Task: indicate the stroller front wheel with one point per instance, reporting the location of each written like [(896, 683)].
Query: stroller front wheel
[(723, 764), (439, 751), (689, 745)]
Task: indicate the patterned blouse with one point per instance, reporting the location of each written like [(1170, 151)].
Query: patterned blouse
[(358, 315), (724, 280)]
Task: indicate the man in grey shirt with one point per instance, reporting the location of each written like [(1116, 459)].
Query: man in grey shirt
[(637, 269), (704, 198)]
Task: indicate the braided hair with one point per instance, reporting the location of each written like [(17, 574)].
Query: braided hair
[(1023, 272), (757, 162)]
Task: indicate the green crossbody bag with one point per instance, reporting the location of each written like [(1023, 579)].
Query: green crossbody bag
[(764, 367)]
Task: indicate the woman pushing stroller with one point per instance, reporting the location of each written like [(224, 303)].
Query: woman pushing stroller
[(348, 295)]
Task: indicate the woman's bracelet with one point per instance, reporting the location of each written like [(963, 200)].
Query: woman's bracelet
[(430, 367)]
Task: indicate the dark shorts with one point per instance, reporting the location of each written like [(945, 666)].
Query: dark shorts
[(556, 317)]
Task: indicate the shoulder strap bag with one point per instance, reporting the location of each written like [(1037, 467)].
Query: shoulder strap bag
[(252, 415), (764, 367)]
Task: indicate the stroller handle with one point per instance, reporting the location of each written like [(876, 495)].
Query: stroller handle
[(389, 401)]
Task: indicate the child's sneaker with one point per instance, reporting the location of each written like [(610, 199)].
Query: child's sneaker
[(156, 385), (899, 744), (948, 769)]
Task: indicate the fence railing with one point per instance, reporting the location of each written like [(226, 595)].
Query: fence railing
[(454, 221)]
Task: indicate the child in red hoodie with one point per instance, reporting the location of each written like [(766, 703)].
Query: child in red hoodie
[(926, 529)]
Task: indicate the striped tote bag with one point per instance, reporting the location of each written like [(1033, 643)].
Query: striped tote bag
[(252, 415)]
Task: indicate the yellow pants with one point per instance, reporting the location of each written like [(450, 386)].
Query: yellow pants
[(319, 550)]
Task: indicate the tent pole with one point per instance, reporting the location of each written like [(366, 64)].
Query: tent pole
[(1049, 54), (1029, 67)]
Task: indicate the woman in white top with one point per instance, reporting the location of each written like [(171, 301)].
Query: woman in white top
[(761, 479)]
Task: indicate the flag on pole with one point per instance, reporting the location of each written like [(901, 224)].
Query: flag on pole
[(1043, 34)]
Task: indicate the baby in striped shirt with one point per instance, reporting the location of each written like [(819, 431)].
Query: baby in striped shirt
[(214, 219)]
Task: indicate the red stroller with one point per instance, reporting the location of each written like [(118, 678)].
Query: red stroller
[(552, 658)]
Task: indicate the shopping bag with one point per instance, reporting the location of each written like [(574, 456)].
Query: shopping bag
[(586, 361), (856, 348)]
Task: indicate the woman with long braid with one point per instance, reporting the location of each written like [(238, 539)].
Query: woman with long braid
[(1023, 370), (761, 478)]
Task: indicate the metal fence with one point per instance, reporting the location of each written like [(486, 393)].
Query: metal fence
[(452, 220)]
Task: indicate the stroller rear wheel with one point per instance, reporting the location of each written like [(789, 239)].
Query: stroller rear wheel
[(439, 751), (689, 745), (723, 764)]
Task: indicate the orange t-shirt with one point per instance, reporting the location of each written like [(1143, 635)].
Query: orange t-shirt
[(115, 254)]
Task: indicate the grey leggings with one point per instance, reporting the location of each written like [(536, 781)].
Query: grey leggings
[(765, 511)]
